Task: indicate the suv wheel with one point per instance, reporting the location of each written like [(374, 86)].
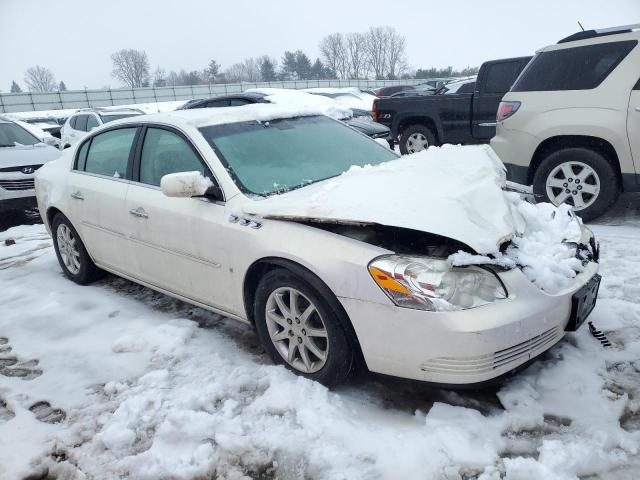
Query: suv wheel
[(578, 177), (415, 139), (299, 327), (71, 252)]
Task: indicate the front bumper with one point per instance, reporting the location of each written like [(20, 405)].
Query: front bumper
[(469, 346)]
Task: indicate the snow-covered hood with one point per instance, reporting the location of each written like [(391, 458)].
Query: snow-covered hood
[(27, 155), (450, 191)]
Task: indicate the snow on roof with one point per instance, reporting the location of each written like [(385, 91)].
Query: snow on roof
[(304, 100), (348, 97), (203, 117)]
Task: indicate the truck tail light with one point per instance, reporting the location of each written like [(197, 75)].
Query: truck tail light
[(506, 109), (374, 111)]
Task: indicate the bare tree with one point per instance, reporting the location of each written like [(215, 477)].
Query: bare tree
[(245, 71), (334, 53), (377, 44), (396, 54), (40, 79), (159, 77), (131, 67), (356, 53)]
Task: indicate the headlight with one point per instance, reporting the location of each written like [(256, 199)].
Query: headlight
[(425, 283)]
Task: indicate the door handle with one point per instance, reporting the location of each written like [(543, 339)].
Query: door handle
[(637, 109), (489, 124), (138, 212), (77, 195)]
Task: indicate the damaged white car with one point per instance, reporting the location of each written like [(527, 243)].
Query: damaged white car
[(338, 251)]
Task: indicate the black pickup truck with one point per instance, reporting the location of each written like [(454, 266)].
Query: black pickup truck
[(467, 118)]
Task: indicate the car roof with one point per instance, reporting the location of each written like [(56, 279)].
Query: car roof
[(204, 117), (593, 37), (108, 111), (254, 96), (600, 32)]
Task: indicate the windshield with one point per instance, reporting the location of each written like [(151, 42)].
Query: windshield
[(110, 118), (273, 157), (10, 134)]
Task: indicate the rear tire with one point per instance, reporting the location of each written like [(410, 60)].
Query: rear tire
[(416, 138), (321, 347), (72, 255), (580, 177)]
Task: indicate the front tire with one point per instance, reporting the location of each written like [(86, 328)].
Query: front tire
[(416, 138), (72, 255), (302, 329), (579, 177)]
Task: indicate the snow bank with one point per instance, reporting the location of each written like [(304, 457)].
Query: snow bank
[(150, 394)]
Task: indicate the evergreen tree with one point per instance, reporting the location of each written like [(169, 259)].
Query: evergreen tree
[(289, 66), (62, 87), (303, 65), (212, 71), (15, 88), (267, 69)]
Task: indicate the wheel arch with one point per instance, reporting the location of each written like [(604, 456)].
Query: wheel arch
[(419, 119), (51, 213), (260, 267), (560, 142)]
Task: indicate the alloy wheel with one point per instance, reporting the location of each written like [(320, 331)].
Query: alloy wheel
[(574, 183), (67, 246), (417, 142), (297, 330)]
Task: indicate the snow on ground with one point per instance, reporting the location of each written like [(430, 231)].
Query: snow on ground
[(139, 385)]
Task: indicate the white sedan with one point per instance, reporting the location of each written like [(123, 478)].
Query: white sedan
[(421, 267)]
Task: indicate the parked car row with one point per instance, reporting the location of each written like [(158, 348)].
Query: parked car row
[(569, 124), (361, 122)]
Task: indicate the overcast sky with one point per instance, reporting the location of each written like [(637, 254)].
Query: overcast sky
[(74, 38)]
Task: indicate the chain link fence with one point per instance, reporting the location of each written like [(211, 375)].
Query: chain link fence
[(74, 99)]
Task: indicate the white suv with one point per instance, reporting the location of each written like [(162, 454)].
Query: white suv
[(571, 123), (85, 120), (21, 154)]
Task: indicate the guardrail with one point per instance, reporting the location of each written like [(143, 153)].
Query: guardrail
[(74, 99)]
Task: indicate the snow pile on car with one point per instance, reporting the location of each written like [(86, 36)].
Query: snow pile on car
[(454, 192), (449, 191), (305, 101), (546, 250)]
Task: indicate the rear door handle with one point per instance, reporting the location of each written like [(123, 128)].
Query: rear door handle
[(77, 195), (637, 109), (138, 212)]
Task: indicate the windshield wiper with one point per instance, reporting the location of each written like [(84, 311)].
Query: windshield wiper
[(12, 145)]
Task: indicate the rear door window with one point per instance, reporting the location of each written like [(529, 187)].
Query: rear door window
[(92, 122), (109, 152), (500, 77), (577, 68), (238, 102), (81, 123), (218, 103)]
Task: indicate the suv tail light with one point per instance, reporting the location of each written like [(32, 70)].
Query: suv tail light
[(506, 109), (374, 111)]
